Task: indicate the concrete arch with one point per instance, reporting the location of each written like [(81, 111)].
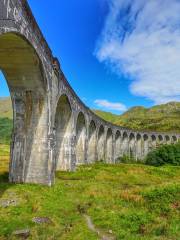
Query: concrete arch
[(63, 131), (160, 140), (92, 153), (20, 59), (153, 138), (153, 141), (101, 143), (118, 153), (167, 139), (138, 146), (26, 80), (132, 141), (125, 144), (81, 133), (174, 139), (109, 146)]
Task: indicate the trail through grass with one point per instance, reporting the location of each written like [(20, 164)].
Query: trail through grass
[(131, 202)]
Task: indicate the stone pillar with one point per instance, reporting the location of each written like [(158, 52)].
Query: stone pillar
[(145, 145), (113, 150), (132, 151), (30, 142), (117, 147), (125, 144), (109, 146), (101, 144), (138, 147), (81, 140)]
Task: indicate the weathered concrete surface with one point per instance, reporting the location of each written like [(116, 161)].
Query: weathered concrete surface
[(53, 129)]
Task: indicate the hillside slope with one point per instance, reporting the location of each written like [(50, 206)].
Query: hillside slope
[(5, 108), (6, 116), (164, 117)]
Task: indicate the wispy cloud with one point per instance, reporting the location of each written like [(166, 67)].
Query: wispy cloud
[(105, 104), (141, 39)]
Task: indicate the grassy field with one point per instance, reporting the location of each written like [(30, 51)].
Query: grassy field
[(4, 157), (4, 150), (131, 202)]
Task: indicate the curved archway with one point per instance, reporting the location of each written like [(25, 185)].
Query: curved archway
[(109, 146), (132, 151), (160, 139), (81, 139), (167, 139), (138, 146), (174, 139), (125, 144), (23, 71), (153, 142), (118, 145), (92, 143), (63, 129)]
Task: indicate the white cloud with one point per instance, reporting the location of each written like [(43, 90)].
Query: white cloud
[(141, 39), (102, 103)]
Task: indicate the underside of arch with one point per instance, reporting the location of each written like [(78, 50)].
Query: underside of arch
[(22, 69), (81, 139), (91, 157), (63, 131)]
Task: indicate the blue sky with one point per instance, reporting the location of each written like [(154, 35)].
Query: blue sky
[(112, 52)]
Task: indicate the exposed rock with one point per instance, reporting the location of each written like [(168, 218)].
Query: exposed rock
[(40, 220), (23, 233), (8, 202)]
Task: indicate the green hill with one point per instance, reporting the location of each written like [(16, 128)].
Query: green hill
[(164, 117), (6, 108), (108, 116), (6, 116)]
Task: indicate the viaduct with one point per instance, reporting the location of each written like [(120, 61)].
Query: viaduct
[(53, 129)]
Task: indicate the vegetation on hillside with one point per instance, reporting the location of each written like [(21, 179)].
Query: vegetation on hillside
[(5, 130), (164, 117), (107, 116), (6, 116), (123, 202), (6, 108)]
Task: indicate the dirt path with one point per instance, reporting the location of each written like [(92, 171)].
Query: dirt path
[(92, 227)]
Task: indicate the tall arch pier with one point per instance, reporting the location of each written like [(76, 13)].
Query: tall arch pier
[(52, 128)]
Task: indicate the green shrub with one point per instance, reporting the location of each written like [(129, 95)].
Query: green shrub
[(128, 159), (5, 130), (166, 154)]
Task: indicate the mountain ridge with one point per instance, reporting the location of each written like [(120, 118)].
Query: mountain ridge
[(161, 118)]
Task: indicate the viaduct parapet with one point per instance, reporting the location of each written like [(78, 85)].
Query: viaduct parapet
[(53, 129)]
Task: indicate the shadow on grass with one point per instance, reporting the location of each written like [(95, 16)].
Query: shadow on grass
[(4, 183)]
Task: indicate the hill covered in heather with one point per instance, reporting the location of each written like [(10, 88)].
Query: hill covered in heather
[(165, 117)]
